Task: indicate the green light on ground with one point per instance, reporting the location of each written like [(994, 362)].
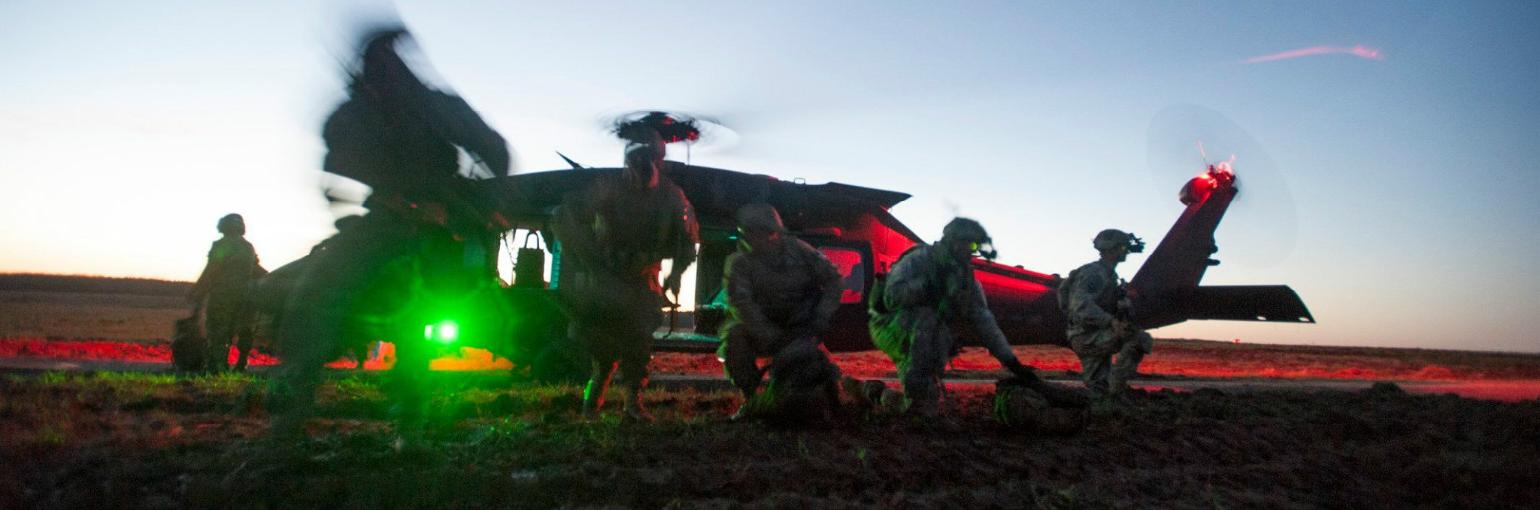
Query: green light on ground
[(443, 332)]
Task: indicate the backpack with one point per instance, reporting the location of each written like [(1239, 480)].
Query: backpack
[(1063, 292), (1067, 284), (874, 297)]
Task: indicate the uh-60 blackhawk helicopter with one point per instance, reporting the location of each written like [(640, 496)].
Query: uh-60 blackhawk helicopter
[(448, 292), (853, 227)]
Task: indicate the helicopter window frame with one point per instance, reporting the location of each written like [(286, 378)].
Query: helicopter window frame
[(863, 250)]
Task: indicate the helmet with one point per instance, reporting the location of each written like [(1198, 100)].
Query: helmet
[(232, 224), (970, 231), (1018, 406), (641, 152), (1113, 238), (760, 217), (965, 229)]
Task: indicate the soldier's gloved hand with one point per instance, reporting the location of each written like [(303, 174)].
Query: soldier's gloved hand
[(672, 283), (1121, 328), (1023, 372)]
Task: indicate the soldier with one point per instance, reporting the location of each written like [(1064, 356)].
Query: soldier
[(427, 229), (1099, 320), (930, 290), (224, 292), (781, 294), (615, 234)]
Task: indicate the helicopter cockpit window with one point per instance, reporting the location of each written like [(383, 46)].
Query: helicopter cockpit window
[(852, 273)]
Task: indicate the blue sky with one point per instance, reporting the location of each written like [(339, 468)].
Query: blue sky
[(127, 129)]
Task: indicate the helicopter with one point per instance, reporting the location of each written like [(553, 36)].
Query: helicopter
[(853, 227)]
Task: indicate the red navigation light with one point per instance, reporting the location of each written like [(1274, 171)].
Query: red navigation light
[(1199, 188), (1196, 190)]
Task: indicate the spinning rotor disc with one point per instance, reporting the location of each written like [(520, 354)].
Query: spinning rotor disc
[(1261, 226)]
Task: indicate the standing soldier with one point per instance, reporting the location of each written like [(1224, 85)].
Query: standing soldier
[(428, 229), (930, 290), (1099, 320), (781, 294), (616, 234), (224, 292)]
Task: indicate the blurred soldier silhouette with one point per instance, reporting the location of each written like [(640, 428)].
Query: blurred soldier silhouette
[(615, 234), (930, 291), (1100, 322), (224, 292), (781, 295), (428, 231)]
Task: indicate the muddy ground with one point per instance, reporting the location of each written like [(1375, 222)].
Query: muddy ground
[(155, 441)]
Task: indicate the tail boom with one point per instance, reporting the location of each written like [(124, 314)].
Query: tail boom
[(1166, 289)]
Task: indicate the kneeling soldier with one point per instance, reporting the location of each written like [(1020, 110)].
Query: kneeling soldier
[(781, 294), (1099, 323), (930, 292)]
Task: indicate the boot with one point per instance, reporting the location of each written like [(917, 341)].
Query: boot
[(635, 410), (216, 359), (858, 393), (745, 409)]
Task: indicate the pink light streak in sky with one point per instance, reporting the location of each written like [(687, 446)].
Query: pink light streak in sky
[(1359, 51)]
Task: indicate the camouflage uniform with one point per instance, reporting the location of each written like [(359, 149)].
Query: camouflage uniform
[(614, 237), (226, 288), (1093, 300), (924, 296), (779, 303)]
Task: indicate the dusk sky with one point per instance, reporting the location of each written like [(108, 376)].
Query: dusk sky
[(1392, 146)]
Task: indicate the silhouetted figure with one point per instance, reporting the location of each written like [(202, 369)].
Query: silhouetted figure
[(1099, 323), (614, 236), (225, 293), (428, 231), (930, 291), (781, 295)]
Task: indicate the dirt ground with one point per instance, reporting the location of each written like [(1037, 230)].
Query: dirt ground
[(151, 440), (155, 441), (58, 315)]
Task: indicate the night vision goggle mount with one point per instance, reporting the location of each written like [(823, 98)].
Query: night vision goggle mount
[(985, 248), (1135, 244)]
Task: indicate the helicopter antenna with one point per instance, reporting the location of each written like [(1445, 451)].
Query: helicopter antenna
[(574, 164)]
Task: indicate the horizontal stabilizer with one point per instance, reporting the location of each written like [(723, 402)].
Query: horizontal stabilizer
[(1266, 303)]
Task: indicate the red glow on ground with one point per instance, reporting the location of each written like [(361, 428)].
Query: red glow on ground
[(103, 350), (1508, 377), (1203, 363), (382, 355)]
